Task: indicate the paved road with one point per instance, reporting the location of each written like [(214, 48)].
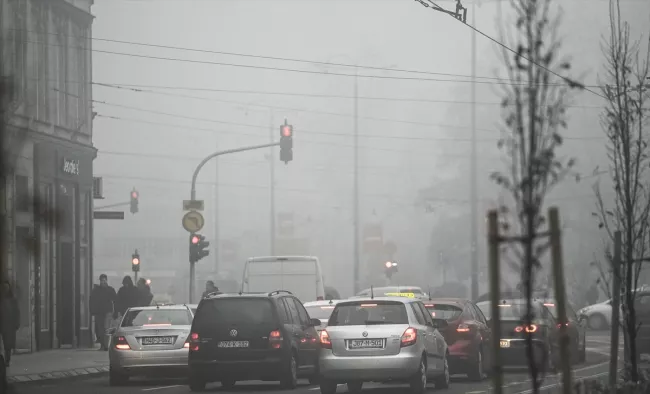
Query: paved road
[(516, 381)]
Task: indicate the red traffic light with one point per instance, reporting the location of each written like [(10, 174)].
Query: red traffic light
[(134, 194), (135, 261), (195, 239), (389, 264), (286, 131)]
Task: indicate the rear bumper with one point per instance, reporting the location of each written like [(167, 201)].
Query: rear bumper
[(269, 368), (369, 368), (516, 354), (462, 354), (131, 362)]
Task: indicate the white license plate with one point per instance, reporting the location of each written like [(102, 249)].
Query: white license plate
[(367, 344), (231, 344), (158, 341), (504, 343)]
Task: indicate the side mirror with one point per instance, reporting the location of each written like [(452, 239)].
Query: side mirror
[(314, 322)]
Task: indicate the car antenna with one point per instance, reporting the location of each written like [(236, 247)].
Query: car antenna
[(331, 301), (429, 293), (372, 293)]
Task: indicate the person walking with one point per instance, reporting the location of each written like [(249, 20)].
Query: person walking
[(10, 312), (127, 297), (210, 287), (102, 300), (145, 296)]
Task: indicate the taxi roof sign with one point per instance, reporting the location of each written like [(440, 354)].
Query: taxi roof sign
[(407, 295)]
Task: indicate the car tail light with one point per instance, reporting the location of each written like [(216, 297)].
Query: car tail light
[(409, 337), (325, 342), (463, 328), (559, 325), (529, 329), (193, 342), (275, 339), (122, 344)]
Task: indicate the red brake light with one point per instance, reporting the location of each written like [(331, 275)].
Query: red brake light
[(122, 344), (275, 339), (193, 342), (325, 342), (529, 329), (409, 337), (463, 328), (559, 325)]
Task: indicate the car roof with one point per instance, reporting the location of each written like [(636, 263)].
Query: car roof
[(457, 301), (322, 303), (404, 300), (271, 294), (159, 307), (267, 259)]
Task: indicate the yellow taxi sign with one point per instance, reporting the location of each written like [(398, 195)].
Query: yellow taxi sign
[(407, 295)]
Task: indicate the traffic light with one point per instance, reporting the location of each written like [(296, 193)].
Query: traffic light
[(134, 201), (286, 143), (390, 268), (198, 244), (135, 262)]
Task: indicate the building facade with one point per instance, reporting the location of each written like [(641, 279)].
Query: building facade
[(47, 203)]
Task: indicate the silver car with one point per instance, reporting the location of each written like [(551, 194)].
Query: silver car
[(150, 340), (382, 340)]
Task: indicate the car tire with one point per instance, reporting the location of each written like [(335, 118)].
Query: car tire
[(289, 380), (442, 381), (117, 379), (476, 369), (327, 386), (418, 382), (597, 322), (355, 387), (228, 383)]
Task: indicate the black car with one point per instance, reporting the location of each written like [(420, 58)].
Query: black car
[(514, 333), (248, 336), (576, 328)]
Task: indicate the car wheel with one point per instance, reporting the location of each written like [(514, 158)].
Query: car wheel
[(476, 372), (228, 384), (442, 381), (290, 379), (327, 386), (419, 381), (117, 379), (597, 322)]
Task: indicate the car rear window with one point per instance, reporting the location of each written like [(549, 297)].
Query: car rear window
[(444, 311), (509, 311), (157, 317), (320, 311), (220, 312), (368, 312)]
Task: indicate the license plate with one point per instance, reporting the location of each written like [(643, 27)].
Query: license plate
[(158, 341), (367, 344), (504, 343), (233, 344)]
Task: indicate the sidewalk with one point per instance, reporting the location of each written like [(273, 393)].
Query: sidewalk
[(57, 364)]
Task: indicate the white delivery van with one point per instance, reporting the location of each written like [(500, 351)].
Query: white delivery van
[(301, 275)]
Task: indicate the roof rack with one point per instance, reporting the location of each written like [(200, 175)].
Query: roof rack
[(279, 291)]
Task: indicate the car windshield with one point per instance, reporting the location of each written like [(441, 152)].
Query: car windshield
[(368, 312), (221, 312), (444, 311), (157, 317), (320, 311)]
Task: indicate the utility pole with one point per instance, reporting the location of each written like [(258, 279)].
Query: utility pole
[(216, 214), (272, 186), (356, 182), (473, 170)]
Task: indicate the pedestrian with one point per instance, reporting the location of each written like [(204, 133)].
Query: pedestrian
[(210, 288), (127, 297), (10, 323), (144, 293), (102, 306)]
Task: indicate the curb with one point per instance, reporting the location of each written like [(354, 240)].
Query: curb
[(69, 374)]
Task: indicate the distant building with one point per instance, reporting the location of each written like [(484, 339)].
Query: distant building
[(47, 192)]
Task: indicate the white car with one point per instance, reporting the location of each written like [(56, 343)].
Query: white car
[(321, 310)]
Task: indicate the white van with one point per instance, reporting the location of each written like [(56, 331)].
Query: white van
[(301, 275)]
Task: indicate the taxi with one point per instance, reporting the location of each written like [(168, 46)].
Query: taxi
[(393, 291)]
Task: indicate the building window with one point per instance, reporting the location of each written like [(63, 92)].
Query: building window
[(22, 199), (45, 217)]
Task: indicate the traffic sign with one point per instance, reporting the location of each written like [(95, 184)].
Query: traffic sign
[(193, 221), (193, 205), (118, 215)]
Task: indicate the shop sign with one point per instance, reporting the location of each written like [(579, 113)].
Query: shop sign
[(70, 166)]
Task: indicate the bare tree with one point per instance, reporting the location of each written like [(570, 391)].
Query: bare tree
[(534, 112), (624, 121)]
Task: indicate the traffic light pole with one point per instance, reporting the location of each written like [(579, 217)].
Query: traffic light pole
[(193, 192)]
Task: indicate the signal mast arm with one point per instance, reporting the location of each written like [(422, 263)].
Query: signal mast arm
[(460, 13)]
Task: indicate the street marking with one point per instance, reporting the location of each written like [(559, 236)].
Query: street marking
[(558, 374), (162, 387), (560, 383)]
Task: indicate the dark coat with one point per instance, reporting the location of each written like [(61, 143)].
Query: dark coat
[(102, 300), (127, 297), (144, 296), (10, 313)]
